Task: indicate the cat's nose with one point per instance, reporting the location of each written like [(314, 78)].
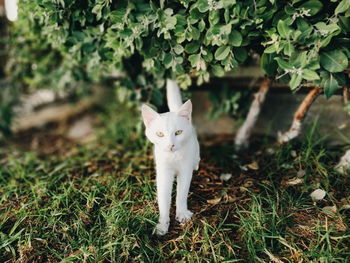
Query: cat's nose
[(171, 147)]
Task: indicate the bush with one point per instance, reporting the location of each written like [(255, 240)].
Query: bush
[(66, 41)]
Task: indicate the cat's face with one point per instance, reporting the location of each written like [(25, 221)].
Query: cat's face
[(170, 130)]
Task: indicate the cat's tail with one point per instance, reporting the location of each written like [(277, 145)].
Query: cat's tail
[(173, 95)]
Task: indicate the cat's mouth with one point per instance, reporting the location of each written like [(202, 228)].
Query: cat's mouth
[(170, 149)]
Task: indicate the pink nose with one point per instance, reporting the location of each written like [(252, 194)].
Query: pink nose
[(171, 147)]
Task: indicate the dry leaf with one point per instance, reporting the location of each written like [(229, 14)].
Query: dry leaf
[(330, 209), (317, 195), (253, 166), (301, 173), (248, 183), (243, 168), (344, 207), (294, 181), (270, 151), (273, 258), (286, 165), (266, 182), (225, 177), (214, 201)]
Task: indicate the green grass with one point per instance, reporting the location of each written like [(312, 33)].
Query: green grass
[(97, 203)]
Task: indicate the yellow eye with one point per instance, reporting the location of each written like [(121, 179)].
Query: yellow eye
[(178, 132), (160, 134)]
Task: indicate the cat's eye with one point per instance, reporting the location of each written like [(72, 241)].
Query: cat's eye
[(178, 132), (160, 134)]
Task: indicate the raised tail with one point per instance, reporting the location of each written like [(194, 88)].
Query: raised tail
[(173, 95)]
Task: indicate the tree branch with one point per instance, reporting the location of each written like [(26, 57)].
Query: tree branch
[(299, 116), (244, 132), (346, 94)]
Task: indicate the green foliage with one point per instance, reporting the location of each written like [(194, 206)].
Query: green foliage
[(69, 41), (228, 101)]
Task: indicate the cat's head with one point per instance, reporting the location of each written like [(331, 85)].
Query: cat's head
[(169, 130)]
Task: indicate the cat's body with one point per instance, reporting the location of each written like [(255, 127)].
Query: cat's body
[(176, 152)]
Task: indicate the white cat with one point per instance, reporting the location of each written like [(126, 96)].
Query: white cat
[(176, 151)]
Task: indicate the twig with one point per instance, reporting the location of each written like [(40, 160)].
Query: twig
[(244, 132), (299, 116)]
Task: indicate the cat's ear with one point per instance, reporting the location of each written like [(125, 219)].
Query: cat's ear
[(148, 114), (185, 110)]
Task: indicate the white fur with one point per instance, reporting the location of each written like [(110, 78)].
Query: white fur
[(173, 95), (175, 155)]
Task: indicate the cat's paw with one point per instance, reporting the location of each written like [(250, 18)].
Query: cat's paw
[(161, 229), (184, 216)]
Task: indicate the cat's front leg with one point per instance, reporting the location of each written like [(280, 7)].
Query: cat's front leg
[(183, 185), (165, 178)]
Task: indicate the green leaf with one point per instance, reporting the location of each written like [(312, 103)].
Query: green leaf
[(195, 33), (288, 49), (313, 65), (268, 64), (295, 81), (201, 25), (98, 11), (344, 23), (300, 59), (342, 7), (208, 57), (178, 49), (313, 5), (330, 85), (283, 29), (170, 22), (218, 70), (194, 59), (203, 6), (168, 58), (157, 97), (222, 52), (228, 3), (241, 53), (117, 16), (283, 64), (235, 38), (327, 40), (192, 47), (341, 79), (334, 61), (270, 49), (326, 29), (180, 20), (309, 74), (214, 17)]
